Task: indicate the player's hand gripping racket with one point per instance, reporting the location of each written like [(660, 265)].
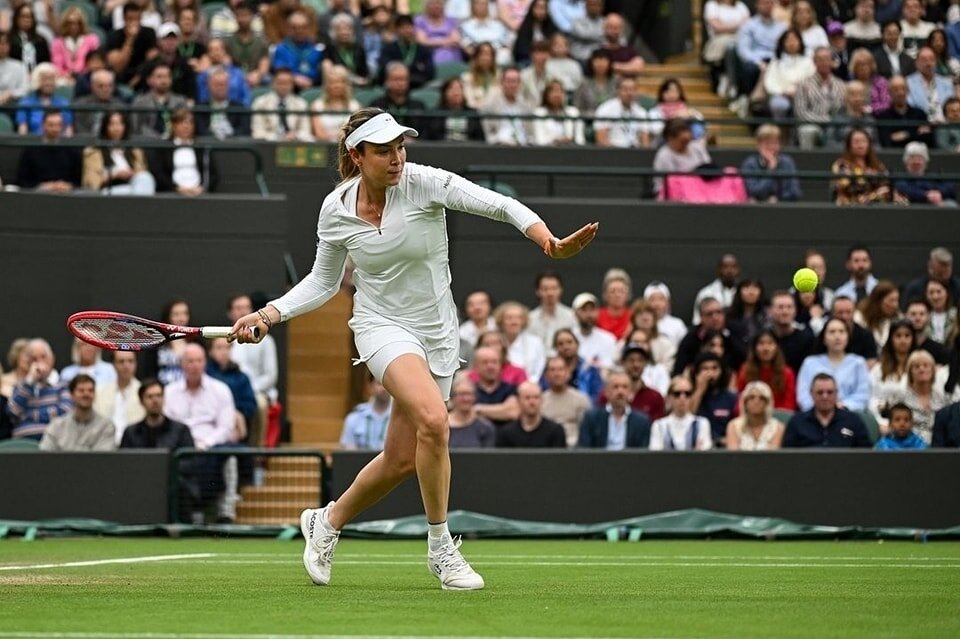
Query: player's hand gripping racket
[(122, 332)]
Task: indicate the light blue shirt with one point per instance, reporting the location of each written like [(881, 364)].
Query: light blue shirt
[(852, 377), (364, 428), (617, 430), (757, 39), (565, 12), (930, 102), (849, 288)]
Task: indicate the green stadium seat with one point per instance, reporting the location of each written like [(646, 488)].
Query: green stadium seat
[(366, 95), (258, 91), (99, 32), (6, 124), (319, 6), (647, 102), (210, 8), (500, 187), (447, 70), (65, 92), (870, 421), (429, 97), (782, 415), (311, 94), (19, 444), (89, 10)]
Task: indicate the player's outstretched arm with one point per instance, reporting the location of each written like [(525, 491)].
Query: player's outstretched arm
[(567, 247)]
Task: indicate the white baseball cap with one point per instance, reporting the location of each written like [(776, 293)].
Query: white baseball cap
[(583, 299), (379, 129), (656, 287), (168, 29)]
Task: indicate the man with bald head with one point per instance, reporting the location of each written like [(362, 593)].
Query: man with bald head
[(531, 429), (926, 90), (626, 61), (40, 397), (899, 135), (496, 399), (87, 120), (615, 426)]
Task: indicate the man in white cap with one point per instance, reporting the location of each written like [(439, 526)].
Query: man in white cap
[(657, 296), (597, 346), (921, 189)]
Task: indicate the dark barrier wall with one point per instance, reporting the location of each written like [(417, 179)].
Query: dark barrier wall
[(62, 254), (828, 488), (127, 487)]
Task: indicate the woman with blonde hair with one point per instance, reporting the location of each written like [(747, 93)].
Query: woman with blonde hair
[(924, 393), (557, 122), (18, 359), (482, 78), (863, 68), (332, 109), (755, 428), (524, 348), (805, 21), (680, 429), (70, 49), (643, 317)]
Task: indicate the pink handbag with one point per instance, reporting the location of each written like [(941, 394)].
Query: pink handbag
[(727, 189)]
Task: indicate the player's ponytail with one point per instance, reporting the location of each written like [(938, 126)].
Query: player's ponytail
[(345, 165)]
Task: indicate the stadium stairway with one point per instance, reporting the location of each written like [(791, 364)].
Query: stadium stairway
[(290, 484), (695, 79)]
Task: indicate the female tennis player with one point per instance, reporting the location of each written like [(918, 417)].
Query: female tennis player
[(388, 216)]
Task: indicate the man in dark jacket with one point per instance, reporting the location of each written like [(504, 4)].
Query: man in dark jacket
[(924, 188), (826, 425), (156, 430), (946, 427), (902, 123), (50, 166), (615, 426), (220, 366), (417, 58)]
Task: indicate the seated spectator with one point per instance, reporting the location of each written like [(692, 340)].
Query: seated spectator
[(766, 363), (848, 372), (50, 166), (114, 169), (551, 315), (482, 28), (223, 117), (713, 321), (948, 133), (779, 184), (27, 43), (821, 300), (863, 69), (918, 315), (922, 189), (621, 122), (755, 428), (87, 360), (827, 423), (891, 58), (238, 91), (512, 12), (82, 429), (501, 124), (154, 108), (537, 26), (680, 429), (299, 51), (481, 80), (943, 313), (478, 308), (184, 168), (886, 10), (916, 30), (597, 346), (817, 101), (861, 341), (940, 268), (854, 115), (557, 122), (91, 109), (524, 349), (352, 9), (679, 154), (786, 70), (365, 428), (626, 61), (900, 111), (614, 426), (375, 33), (889, 377), (586, 32), (69, 51), (672, 103), (561, 66), (533, 77), (222, 368), (643, 317), (396, 97), (509, 373), (598, 85), (496, 399), (155, 430), (839, 53), (259, 363), (946, 65), (192, 45), (863, 30), (756, 46), (332, 109), (18, 361), (347, 52), (40, 396), (581, 374), (417, 59), (439, 33), (150, 15), (722, 19), (723, 288), (926, 90), (614, 316), (923, 394), (164, 362), (451, 127), (805, 21), (31, 108), (276, 21), (562, 402), (531, 429), (130, 45), (117, 401), (228, 21), (901, 435), (712, 397), (654, 375), (645, 396), (280, 115), (878, 310), (13, 79), (565, 13), (946, 427), (171, 51), (657, 296), (467, 429), (245, 44), (859, 264), (861, 175)]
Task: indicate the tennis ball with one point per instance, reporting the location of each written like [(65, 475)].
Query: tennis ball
[(805, 280)]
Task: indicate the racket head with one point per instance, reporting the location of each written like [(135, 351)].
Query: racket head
[(122, 332)]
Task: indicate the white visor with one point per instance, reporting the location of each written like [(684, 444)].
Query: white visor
[(379, 129)]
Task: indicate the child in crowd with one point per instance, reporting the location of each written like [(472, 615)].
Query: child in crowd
[(901, 436)]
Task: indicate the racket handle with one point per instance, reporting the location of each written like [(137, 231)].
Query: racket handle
[(209, 332)]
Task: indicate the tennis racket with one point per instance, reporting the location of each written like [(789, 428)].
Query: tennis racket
[(122, 332)]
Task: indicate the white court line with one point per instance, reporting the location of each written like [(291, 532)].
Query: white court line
[(207, 635), (121, 560), (481, 556), (641, 564)]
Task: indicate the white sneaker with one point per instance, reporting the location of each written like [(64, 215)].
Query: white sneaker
[(320, 543), (448, 565)]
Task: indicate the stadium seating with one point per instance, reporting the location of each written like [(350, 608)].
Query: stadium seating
[(89, 11), (6, 124), (366, 95), (429, 97)]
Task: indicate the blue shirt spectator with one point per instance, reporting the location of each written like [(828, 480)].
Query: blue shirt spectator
[(780, 184), (565, 12), (853, 380), (892, 442), (585, 378), (365, 428), (239, 90), (926, 90), (757, 38), (30, 110), (299, 52), (220, 367)]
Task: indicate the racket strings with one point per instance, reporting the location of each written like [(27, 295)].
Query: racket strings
[(119, 333)]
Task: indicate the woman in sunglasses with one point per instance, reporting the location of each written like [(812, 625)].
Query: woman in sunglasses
[(680, 430)]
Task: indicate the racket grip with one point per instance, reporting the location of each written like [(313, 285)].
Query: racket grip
[(209, 332)]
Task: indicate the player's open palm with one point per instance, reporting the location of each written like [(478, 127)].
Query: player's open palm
[(573, 243)]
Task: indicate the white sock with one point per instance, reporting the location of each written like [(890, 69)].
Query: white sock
[(326, 522), (437, 535)]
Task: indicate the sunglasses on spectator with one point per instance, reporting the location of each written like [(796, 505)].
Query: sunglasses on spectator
[(681, 393)]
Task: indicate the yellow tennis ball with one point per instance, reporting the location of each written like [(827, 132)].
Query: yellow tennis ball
[(805, 280)]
